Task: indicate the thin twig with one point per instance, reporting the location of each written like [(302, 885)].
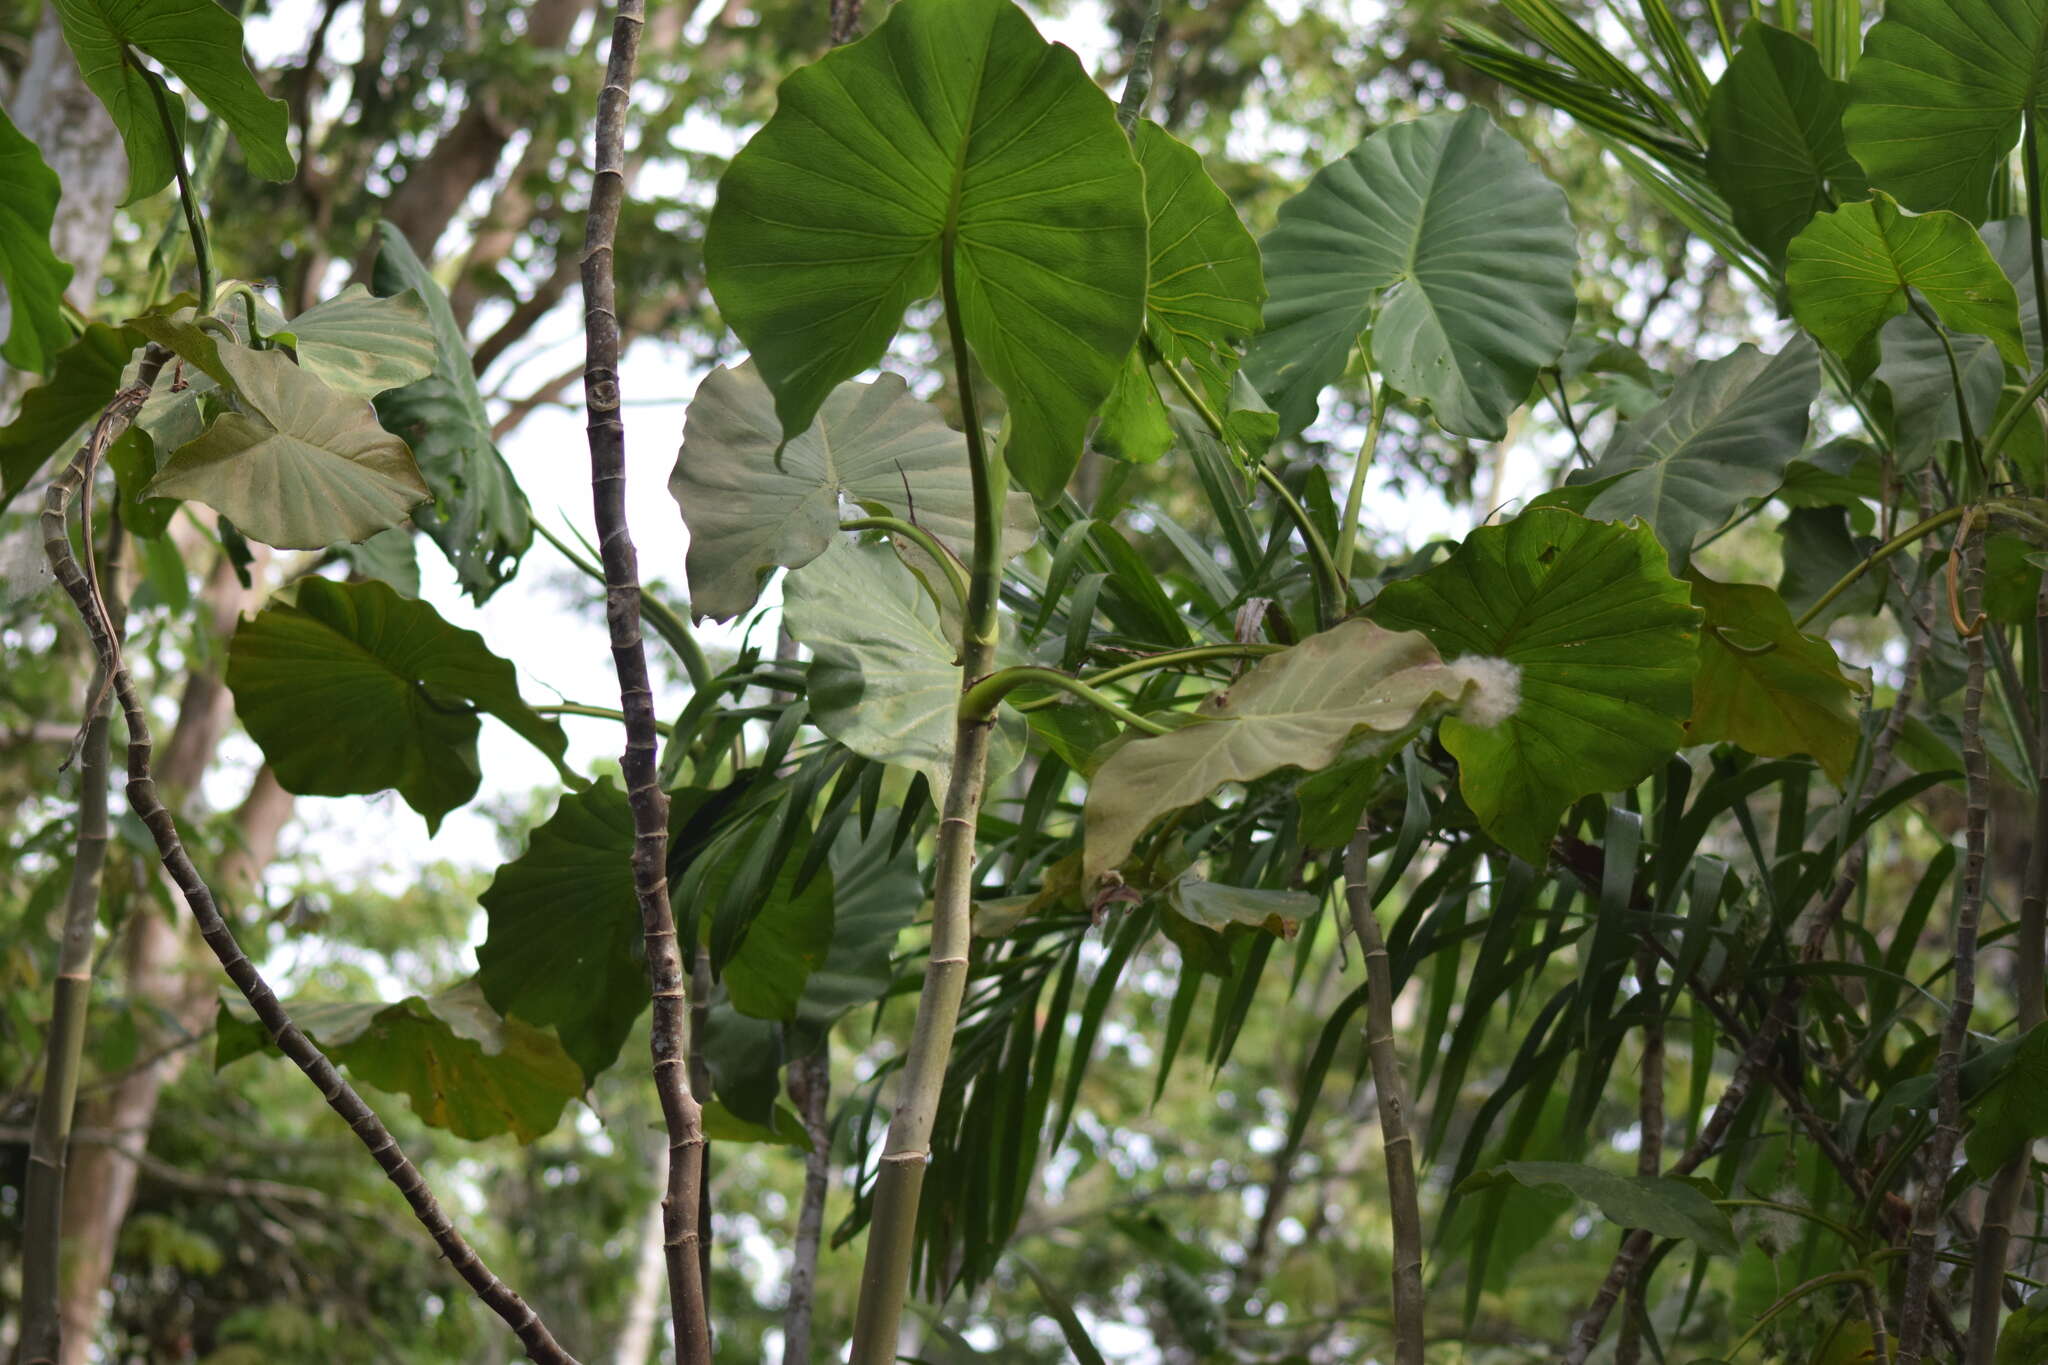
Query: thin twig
[(682, 1116), (1628, 1348), (147, 806), (810, 1085)]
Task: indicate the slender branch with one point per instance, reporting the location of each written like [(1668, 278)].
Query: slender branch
[(810, 1085), (574, 708), (669, 625), (885, 1274), (2030, 984), (1650, 1150), (1154, 663), (980, 700), (147, 806), (48, 1154), (1955, 1032), (1876, 557), (1403, 1205), (682, 1115), (1354, 500), (2030, 165)]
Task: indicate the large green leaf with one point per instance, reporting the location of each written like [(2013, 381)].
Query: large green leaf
[(752, 502), (197, 41), (953, 130), (1664, 1205), (563, 947), (1299, 708), (2013, 1111), (303, 468), (1775, 148), (787, 937), (1442, 240), (353, 689), (2024, 1338), (875, 896), (1936, 101), (1724, 435), (1765, 686), (463, 1066), (1849, 271), (1606, 642), (479, 517), (29, 269), (883, 680), (56, 414), (361, 344)]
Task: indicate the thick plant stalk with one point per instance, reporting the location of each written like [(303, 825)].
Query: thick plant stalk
[(1948, 1066), (1403, 1205), (892, 1226), (48, 1153), (2030, 984), (810, 1085), (148, 807), (681, 1114)]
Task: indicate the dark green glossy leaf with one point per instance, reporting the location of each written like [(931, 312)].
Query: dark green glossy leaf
[(353, 689), (1775, 148), (197, 41), (305, 467), (1725, 435), (2013, 1110), (479, 517), (56, 415), (788, 935), (875, 896), (1665, 1206), (1935, 102), (33, 276), (1606, 643), (463, 1066), (1442, 240), (953, 128)]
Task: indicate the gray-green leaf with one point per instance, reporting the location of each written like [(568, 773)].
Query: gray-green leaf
[(362, 345)]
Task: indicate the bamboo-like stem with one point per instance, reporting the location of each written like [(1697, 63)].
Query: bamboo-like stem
[(1403, 1205), (1948, 1063), (1354, 500), (892, 1226), (682, 1115), (810, 1085), (64, 1051), (148, 807), (2030, 984)]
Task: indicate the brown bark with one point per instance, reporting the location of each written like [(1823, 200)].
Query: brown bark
[(156, 960)]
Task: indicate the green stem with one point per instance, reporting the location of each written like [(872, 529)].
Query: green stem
[(667, 623), (1842, 1230), (1153, 663), (577, 708), (924, 540), (1994, 441), (1877, 557), (1354, 501), (1793, 1296), (2030, 164), (1139, 83), (899, 1180), (979, 702), (202, 255), (1333, 590)]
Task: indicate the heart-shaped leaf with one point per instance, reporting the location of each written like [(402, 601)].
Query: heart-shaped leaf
[(1606, 642), (479, 517), (883, 681), (1849, 271), (1441, 239), (464, 1067), (1937, 98), (1298, 708), (197, 41), (353, 689), (1724, 435), (303, 468), (1775, 148), (34, 277), (952, 134), (751, 502), (361, 344), (1767, 687)]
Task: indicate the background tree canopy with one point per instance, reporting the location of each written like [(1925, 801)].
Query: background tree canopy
[(1227, 682)]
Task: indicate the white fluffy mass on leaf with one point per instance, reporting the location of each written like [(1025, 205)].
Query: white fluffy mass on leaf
[(1496, 689)]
